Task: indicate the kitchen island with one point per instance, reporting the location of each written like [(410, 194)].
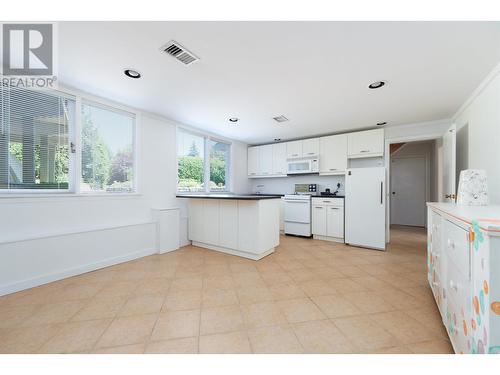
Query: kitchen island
[(244, 225)]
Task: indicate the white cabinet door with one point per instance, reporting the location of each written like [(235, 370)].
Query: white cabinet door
[(319, 220), (335, 222), (266, 160), (210, 221), (253, 161), (228, 224), (310, 147), (368, 143), (294, 149), (279, 159), (195, 232), (333, 154)]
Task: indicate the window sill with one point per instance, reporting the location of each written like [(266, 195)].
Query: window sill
[(28, 197)]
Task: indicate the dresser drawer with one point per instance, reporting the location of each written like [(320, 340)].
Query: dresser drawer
[(456, 244), (328, 201), (458, 287), (457, 327)]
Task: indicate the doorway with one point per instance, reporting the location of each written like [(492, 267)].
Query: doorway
[(412, 182)]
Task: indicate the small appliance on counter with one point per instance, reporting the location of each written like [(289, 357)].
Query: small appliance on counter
[(297, 210), (328, 192)]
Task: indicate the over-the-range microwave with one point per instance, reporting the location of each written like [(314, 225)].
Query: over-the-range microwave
[(302, 166)]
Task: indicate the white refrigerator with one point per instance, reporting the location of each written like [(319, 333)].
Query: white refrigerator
[(365, 207)]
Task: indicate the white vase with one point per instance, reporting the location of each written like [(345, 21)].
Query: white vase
[(472, 188)]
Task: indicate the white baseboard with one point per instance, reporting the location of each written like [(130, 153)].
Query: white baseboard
[(233, 251), (326, 238)]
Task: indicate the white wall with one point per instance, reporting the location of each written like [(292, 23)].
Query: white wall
[(482, 114)]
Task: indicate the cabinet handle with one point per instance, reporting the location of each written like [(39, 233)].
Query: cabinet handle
[(310, 153), (318, 207), (451, 244), (334, 208), (434, 283), (333, 169), (454, 285)]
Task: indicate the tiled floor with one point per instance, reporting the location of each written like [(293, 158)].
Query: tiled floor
[(308, 297)]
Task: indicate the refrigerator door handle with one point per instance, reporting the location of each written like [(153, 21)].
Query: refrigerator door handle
[(381, 191)]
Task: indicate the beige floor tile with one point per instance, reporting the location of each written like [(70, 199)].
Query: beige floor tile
[(300, 310), (182, 300), (406, 329), (274, 340), (219, 282), (186, 283), (76, 336), (432, 347), (336, 306), (250, 295), (118, 288), (316, 287), (225, 343), (26, 340), (221, 320), (369, 302), (322, 336), (58, 312), (327, 273), (124, 349), (352, 271), (302, 274), (188, 345), (128, 330), (289, 265), (177, 324), (100, 308), (391, 350), (156, 285), (76, 291), (430, 318), (346, 285), (249, 279), (286, 290), (262, 314), (142, 304), (14, 316), (219, 297), (273, 278), (372, 283), (365, 333), (238, 268)]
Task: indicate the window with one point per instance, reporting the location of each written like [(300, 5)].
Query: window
[(190, 162), (107, 149), (201, 159), (219, 165), (35, 149)]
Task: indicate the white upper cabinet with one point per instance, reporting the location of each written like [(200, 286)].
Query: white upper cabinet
[(279, 159), (266, 160), (333, 154), (294, 149), (365, 144), (310, 147), (253, 161)]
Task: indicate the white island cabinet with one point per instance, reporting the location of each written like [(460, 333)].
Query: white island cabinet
[(463, 259), (243, 225)]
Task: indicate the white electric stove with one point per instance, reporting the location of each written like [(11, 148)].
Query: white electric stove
[(297, 210)]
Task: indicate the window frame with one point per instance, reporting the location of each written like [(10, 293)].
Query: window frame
[(99, 104), (206, 162), (75, 166)]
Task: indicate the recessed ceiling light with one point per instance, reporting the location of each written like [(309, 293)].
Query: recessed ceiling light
[(277, 139), (131, 73), (233, 119), (376, 85), (382, 123)]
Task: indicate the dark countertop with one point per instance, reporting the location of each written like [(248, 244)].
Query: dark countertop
[(230, 196), (328, 196)]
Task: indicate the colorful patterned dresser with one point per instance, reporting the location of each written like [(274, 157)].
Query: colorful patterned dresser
[(463, 262)]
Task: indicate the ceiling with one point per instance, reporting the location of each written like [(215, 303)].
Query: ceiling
[(314, 73)]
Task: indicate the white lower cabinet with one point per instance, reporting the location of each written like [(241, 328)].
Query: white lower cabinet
[(247, 228), (463, 271), (328, 219)]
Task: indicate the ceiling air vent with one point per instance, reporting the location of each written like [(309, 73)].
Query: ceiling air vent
[(174, 49), (280, 118)]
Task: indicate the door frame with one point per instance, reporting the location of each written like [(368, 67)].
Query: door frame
[(427, 163), (387, 164)]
